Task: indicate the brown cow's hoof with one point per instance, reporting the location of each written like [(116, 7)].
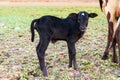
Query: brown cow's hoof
[(119, 65), (104, 57), (115, 61), (46, 78)]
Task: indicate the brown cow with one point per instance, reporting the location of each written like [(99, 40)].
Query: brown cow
[(111, 9)]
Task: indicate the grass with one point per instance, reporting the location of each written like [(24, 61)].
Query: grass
[(18, 59)]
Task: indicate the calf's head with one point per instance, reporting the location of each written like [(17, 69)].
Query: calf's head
[(83, 18)]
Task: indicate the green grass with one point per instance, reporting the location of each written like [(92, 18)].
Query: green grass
[(18, 59)]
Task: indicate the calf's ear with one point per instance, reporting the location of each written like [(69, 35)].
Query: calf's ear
[(73, 15), (92, 15)]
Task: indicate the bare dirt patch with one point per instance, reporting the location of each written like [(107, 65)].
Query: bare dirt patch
[(52, 3)]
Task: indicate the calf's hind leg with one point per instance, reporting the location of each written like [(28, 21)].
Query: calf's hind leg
[(41, 48)]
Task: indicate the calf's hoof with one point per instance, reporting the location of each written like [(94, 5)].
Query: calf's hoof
[(69, 66), (45, 75), (44, 72), (104, 57)]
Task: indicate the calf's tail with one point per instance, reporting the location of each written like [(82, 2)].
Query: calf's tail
[(33, 25)]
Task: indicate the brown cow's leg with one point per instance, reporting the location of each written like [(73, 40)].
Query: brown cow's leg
[(110, 39), (119, 51), (118, 40), (119, 55), (106, 52), (114, 59)]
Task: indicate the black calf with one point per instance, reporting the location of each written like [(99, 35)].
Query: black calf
[(51, 28)]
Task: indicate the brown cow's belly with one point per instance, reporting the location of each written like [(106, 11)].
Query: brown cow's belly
[(118, 9), (117, 13)]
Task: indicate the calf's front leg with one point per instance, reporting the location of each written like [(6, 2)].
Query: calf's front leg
[(72, 54)]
